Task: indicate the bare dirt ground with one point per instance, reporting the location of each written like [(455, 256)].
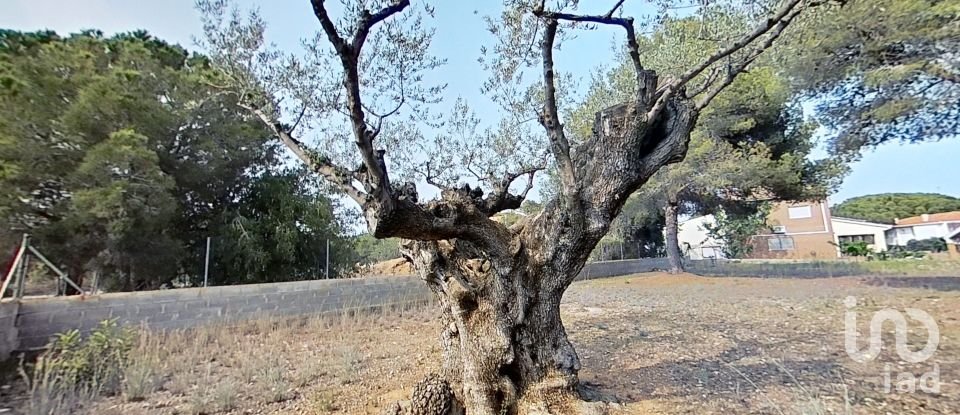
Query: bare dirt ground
[(652, 343)]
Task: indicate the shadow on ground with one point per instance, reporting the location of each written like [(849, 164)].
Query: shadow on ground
[(729, 380)]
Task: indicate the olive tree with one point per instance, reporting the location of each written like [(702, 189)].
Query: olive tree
[(360, 96)]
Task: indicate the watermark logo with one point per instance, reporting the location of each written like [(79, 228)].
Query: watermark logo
[(906, 382)]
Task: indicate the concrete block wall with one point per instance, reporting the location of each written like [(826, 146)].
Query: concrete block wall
[(625, 267), (41, 318), (9, 338), (776, 269)]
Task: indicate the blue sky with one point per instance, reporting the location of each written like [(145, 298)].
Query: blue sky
[(927, 167)]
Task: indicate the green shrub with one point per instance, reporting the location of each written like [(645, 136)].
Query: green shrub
[(855, 249), (74, 369), (900, 252), (99, 361), (927, 245)]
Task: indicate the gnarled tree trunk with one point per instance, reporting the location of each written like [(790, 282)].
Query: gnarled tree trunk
[(505, 348), (502, 335), (671, 214)]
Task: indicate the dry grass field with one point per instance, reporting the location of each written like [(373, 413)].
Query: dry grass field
[(649, 343)]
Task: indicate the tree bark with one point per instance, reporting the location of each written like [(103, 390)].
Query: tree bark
[(674, 256), (505, 349), (499, 289)]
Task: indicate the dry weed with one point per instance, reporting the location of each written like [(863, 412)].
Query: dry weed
[(143, 376), (322, 403), (273, 383), (309, 371), (225, 395)]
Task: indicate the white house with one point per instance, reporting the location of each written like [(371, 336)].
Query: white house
[(694, 241), (846, 230), (925, 226)]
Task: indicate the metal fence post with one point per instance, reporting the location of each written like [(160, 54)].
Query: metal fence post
[(206, 264)]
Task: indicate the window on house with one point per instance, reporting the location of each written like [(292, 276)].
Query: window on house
[(848, 239), (780, 243), (800, 212)]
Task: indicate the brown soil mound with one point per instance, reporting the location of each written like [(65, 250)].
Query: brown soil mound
[(397, 266)]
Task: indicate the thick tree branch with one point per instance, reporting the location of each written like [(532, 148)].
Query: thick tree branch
[(368, 21), (329, 28), (550, 119), (633, 49), (390, 211), (351, 82), (337, 175), (378, 180), (501, 199)]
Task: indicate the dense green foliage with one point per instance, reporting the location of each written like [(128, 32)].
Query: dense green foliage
[(886, 207), (927, 245), (121, 159), (370, 250), (278, 231), (881, 70), (735, 230), (855, 249)]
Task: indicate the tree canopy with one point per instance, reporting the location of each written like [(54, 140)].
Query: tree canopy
[(121, 159), (735, 230), (881, 70), (886, 207)]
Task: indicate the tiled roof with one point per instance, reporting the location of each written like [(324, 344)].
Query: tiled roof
[(861, 221), (931, 218)]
